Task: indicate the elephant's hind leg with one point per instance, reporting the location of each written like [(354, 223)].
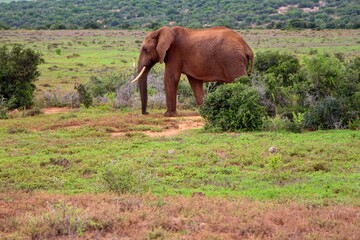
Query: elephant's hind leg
[(197, 87)]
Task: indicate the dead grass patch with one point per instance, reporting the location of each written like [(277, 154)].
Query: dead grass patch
[(118, 126), (40, 215)]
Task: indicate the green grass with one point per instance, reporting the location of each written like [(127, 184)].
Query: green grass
[(71, 152), (320, 167)]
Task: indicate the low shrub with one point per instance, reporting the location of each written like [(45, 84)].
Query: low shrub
[(85, 97), (274, 124), (233, 107), (126, 177), (57, 98), (106, 83)]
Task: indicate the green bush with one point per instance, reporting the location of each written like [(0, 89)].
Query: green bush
[(328, 113), (18, 71), (278, 74), (233, 107), (325, 75), (284, 66)]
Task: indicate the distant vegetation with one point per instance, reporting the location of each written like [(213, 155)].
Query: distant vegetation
[(133, 14)]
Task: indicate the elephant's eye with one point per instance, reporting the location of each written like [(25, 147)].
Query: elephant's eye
[(145, 49)]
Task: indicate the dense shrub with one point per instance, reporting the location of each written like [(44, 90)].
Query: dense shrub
[(277, 75), (325, 75), (328, 113), (283, 66), (233, 107), (326, 88), (18, 71)]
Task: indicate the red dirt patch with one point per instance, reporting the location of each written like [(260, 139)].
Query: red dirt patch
[(41, 215), (155, 125), (172, 127)]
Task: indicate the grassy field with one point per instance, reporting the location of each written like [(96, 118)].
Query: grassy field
[(72, 56), (115, 174)]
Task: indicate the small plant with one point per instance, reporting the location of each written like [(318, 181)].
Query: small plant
[(275, 163), (84, 95), (125, 177), (296, 124), (275, 124), (58, 51)]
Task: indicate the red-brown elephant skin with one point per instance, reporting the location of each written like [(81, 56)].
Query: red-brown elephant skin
[(207, 55)]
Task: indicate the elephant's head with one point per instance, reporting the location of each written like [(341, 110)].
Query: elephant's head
[(153, 50)]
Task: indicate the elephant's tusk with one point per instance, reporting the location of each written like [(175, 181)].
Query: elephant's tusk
[(138, 76)]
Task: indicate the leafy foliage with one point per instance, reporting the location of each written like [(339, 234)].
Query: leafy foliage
[(152, 14), (297, 95), (233, 107), (18, 71)]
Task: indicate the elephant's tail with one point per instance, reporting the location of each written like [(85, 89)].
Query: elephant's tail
[(250, 57)]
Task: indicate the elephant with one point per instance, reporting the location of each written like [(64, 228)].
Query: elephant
[(217, 54)]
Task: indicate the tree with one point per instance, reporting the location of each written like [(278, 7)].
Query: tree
[(18, 71)]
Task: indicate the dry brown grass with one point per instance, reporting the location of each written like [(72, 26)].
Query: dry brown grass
[(39, 215)]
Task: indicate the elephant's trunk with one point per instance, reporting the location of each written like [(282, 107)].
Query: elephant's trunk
[(143, 88)]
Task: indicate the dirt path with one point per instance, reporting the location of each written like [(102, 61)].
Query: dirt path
[(124, 125), (185, 123), (177, 125)]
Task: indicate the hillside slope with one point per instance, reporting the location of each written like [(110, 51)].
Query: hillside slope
[(118, 14)]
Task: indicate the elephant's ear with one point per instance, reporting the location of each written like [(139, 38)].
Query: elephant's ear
[(165, 37)]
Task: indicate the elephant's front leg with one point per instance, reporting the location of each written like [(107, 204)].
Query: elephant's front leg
[(198, 89), (171, 82)]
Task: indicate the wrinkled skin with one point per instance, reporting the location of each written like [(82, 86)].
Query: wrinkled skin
[(215, 54)]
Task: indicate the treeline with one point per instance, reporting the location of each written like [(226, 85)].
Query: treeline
[(135, 14)]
